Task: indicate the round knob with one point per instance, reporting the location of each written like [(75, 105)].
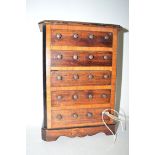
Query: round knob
[(90, 96), (75, 57), (59, 56), (89, 114), (75, 115), (104, 96), (90, 57), (75, 76), (105, 57), (91, 36), (59, 97), (106, 76), (106, 37), (59, 116), (75, 35), (110, 33), (75, 97), (58, 35), (90, 76), (59, 77)]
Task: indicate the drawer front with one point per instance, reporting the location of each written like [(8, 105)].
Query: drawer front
[(77, 78), (75, 118), (80, 58), (81, 38), (80, 97)]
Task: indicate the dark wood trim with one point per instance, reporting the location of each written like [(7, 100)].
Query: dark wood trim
[(44, 78), (52, 135), (54, 22)]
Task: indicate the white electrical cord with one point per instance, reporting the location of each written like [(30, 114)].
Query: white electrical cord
[(115, 118)]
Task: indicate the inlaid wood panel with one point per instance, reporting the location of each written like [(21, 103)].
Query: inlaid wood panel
[(75, 118), (83, 68), (83, 48), (79, 58), (77, 97), (91, 87), (81, 38), (80, 78)]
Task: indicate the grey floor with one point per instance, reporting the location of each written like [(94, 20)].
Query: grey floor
[(99, 144)]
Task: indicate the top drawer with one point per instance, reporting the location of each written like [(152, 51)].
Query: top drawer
[(81, 38)]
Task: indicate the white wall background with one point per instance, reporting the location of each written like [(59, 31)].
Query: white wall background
[(100, 11)]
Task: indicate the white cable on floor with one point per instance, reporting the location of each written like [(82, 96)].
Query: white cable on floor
[(115, 118)]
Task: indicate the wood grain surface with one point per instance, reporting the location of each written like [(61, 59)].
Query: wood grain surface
[(82, 68), (80, 25), (67, 39), (54, 134), (77, 117), (79, 97), (79, 70), (81, 48), (114, 63), (81, 87), (79, 58), (48, 77), (67, 78)]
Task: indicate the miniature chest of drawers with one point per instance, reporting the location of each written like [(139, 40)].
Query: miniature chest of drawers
[(79, 76)]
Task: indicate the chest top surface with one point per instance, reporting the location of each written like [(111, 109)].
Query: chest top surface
[(76, 23)]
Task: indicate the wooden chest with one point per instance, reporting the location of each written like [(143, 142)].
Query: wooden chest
[(79, 76)]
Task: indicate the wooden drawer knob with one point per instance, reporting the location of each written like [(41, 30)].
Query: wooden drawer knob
[(59, 56), (106, 37), (59, 97), (75, 35), (89, 114), (75, 57), (90, 57), (59, 116), (90, 96), (90, 76), (106, 76), (75, 97), (105, 57), (91, 36), (75, 76), (75, 115), (59, 77), (58, 35), (104, 96)]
